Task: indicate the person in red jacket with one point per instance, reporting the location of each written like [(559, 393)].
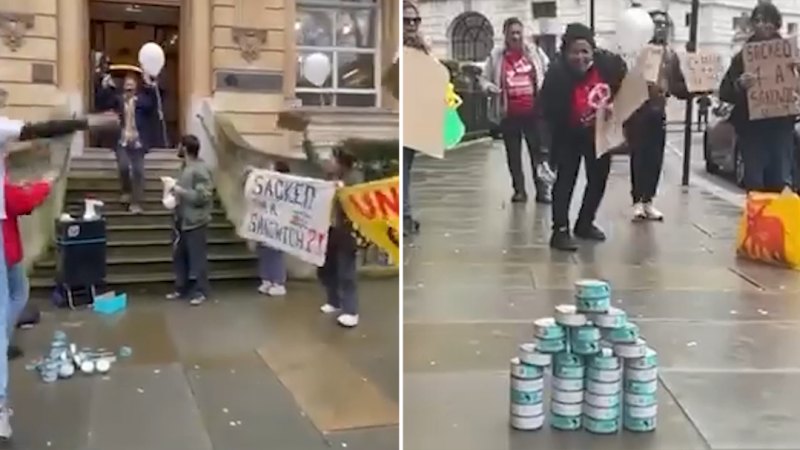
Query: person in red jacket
[(21, 200)]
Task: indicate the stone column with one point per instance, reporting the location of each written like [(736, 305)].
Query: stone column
[(74, 69), (199, 58)]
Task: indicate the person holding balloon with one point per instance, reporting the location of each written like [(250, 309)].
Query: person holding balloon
[(579, 85), (514, 73)]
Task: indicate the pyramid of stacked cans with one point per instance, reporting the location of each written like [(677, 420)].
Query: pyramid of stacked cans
[(603, 374)]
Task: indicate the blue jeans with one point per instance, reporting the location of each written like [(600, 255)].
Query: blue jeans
[(5, 306), (339, 273), (408, 160), (271, 266), (18, 293), (768, 156)]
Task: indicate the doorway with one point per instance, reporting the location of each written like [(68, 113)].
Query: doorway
[(118, 30)]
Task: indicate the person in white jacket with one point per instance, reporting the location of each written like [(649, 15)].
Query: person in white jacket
[(514, 73)]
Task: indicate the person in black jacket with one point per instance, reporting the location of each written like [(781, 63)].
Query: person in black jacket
[(766, 145), (579, 84)]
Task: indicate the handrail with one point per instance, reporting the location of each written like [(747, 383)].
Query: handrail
[(32, 160)]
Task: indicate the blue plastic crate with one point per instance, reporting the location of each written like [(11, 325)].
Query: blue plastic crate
[(110, 303)]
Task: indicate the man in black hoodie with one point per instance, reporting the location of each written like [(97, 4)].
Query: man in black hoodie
[(766, 145), (580, 83), (646, 129)]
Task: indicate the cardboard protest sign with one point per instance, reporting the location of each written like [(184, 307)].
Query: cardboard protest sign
[(424, 87), (703, 71), (773, 64), (288, 213), (374, 209), (650, 61), (630, 97)]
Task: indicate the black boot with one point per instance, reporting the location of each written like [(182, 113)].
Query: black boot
[(544, 194), (14, 352), (519, 197), (590, 232), (562, 240)]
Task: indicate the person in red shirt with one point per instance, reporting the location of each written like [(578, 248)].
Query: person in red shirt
[(21, 200), (515, 72), (580, 84)]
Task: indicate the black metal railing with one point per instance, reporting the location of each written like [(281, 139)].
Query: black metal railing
[(474, 112)]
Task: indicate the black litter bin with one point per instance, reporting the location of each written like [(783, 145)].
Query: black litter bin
[(81, 259)]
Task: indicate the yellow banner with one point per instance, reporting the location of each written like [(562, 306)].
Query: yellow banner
[(374, 209)]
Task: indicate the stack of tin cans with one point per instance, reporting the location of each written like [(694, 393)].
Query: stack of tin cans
[(585, 345)]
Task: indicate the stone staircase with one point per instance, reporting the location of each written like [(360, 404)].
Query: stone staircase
[(139, 246)]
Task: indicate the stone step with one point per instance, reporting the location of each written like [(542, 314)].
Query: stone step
[(248, 273), (95, 153), (95, 182), (111, 202), (157, 215), (80, 165), (162, 248), (152, 232)]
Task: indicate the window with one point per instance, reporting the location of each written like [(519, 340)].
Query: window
[(472, 37), (544, 10), (347, 33)]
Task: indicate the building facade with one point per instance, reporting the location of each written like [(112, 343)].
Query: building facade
[(243, 57)]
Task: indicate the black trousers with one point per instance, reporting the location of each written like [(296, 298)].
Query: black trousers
[(568, 162), (646, 144), (514, 129), (190, 261)]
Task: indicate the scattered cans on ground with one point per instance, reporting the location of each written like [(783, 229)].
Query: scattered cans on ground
[(64, 358)]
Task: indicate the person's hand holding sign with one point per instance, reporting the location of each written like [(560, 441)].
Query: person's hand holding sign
[(747, 81)]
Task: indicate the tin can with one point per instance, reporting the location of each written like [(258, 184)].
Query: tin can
[(640, 399), (637, 350), (525, 397), (565, 423), (605, 376), (593, 305), (566, 409), (532, 384), (641, 375), (595, 426), (641, 412), (626, 334), (604, 360), (568, 371), (601, 401), (567, 359), (525, 371), (585, 333), (567, 384), (527, 423), (567, 396), (600, 388), (639, 425), (547, 328), (613, 318), (641, 387), (568, 316), (536, 409), (601, 413), (590, 289), (551, 345), (585, 348), (647, 361), (529, 355)]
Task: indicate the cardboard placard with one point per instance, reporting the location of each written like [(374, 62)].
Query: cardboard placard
[(651, 60), (632, 94), (775, 91), (703, 71), (425, 83)]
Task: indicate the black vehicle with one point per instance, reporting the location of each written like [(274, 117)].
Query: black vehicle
[(721, 152)]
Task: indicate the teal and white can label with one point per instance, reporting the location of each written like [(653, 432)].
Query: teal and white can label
[(525, 371), (568, 371), (647, 361), (626, 334), (605, 376), (567, 384), (613, 318), (604, 360), (600, 388), (640, 399), (567, 359), (529, 355), (639, 425), (610, 426), (565, 423), (627, 351), (535, 409), (533, 384), (601, 401), (641, 412), (525, 397), (641, 387), (547, 328), (592, 289), (568, 316), (585, 348), (551, 345), (585, 333), (601, 413), (566, 409), (527, 423), (567, 396), (593, 305), (641, 375)]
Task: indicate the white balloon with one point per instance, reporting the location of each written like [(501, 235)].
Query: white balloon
[(151, 58), (316, 68), (635, 30)]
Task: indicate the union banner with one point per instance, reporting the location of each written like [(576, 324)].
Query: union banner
[(374, 209)]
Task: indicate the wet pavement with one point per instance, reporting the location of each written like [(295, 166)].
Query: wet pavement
[(481, 271), (243, 372)]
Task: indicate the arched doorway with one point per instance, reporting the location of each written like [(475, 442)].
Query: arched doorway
[(471, 37)]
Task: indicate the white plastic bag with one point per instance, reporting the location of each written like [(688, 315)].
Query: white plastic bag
[(168, 199)]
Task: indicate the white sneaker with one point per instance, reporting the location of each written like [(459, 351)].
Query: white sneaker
[(639, 212), (327, 308), (651, 213), (276, 290), (264, 288), (173, 296), (5, 422), (348, 320)]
